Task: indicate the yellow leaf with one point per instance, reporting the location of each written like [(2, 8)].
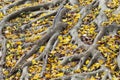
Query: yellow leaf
[(63, 52), (77, 71), (53, 52), (68, 6), (34, 61), (69, 23), (118, 32), (114, 78), (85, 68), (18, 74), (74, 46), (66, 40), (113, 67), (105, 24), (87, 61), (64, 20), (101, 61), (59, 74), (42, 48), (78, 15), (19, 47), (75, 6), (19, 42), (93, 78), (30, 74), (1, 15), (0, 6), (36, 77), (92, 68), (8, 46), (97, 65), (48, 75), (5, 72), (60, 37), (54, 66)]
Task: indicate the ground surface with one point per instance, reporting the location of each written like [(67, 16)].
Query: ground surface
[(59, 40)]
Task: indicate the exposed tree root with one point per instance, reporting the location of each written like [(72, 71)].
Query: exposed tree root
[(25, 75), (50, 38), (3, 41), (80, 76), (16, 3), (59, 26), (46, 51), (23, 27)]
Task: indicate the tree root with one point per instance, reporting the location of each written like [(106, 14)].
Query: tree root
[(46, 51), (79, 76), (3, 41), (50, 36), (25, 74), (23, 27), (59, 26), (19, 2)]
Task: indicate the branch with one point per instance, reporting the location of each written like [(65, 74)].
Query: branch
[(19, 2)]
